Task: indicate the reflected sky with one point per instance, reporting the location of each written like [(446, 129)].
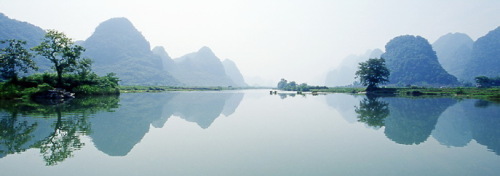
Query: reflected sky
[(252, 133)]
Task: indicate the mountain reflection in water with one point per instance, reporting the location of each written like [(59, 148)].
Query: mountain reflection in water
[(115, 124), (410, 121), (118, 132)]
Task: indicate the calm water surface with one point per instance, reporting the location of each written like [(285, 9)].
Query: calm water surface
[(250, 133)]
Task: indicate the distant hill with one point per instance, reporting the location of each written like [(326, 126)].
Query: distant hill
[(201, 68), (168, 63), (454, 52), (412, 61), (117, 46), (234, 73), (485, 57), (14, 29), (343, 75)]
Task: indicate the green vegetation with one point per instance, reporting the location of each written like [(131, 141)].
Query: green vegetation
[(373, 72), (15, 58), (492, 94), (135, 89), (293, 86), (73, 73), (62, 52), (485, 82), (29, 86)]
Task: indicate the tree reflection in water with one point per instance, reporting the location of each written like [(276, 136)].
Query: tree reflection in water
[(407, 121), (372, 111), (71, 124), (14, 134)]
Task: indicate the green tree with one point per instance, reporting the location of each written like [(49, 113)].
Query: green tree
[(282, 84), (291, 86), (61, 51), (303, 87), (84, 68), (485, 82), (373, 72), (15, 58), (482, 81)]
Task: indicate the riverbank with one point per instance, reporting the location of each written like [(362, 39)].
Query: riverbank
[(492, 94), (36, 84), (138, 89), (12, 91)]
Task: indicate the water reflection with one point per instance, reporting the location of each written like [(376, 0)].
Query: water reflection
[(484, 123), (372, 111), (470, 120), (114, 124), (411, 121), (14, 134), (55, 129), (117, 133)]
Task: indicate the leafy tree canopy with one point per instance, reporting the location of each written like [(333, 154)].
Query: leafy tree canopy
[(373, 72), (14, 58), (293, 86), (485, 82), (61, 51)]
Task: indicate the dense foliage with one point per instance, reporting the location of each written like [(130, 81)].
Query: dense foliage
[(412, 61), (40, 82), (62, 53), (373, 72), (14, 58), (484, 82), (485, 57), (73, 73), (293, 86)]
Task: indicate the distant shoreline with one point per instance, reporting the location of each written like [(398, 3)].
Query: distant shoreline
[(491, 94)]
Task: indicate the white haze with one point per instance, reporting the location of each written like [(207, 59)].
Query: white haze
[(268, 39)]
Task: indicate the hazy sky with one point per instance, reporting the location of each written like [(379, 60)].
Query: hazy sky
[(298, 40)]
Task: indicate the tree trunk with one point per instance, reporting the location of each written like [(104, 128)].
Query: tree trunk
[(59, 79), (371, 87)]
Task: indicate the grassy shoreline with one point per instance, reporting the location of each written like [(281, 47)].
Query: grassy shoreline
[(492, 94), (138, 89)]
